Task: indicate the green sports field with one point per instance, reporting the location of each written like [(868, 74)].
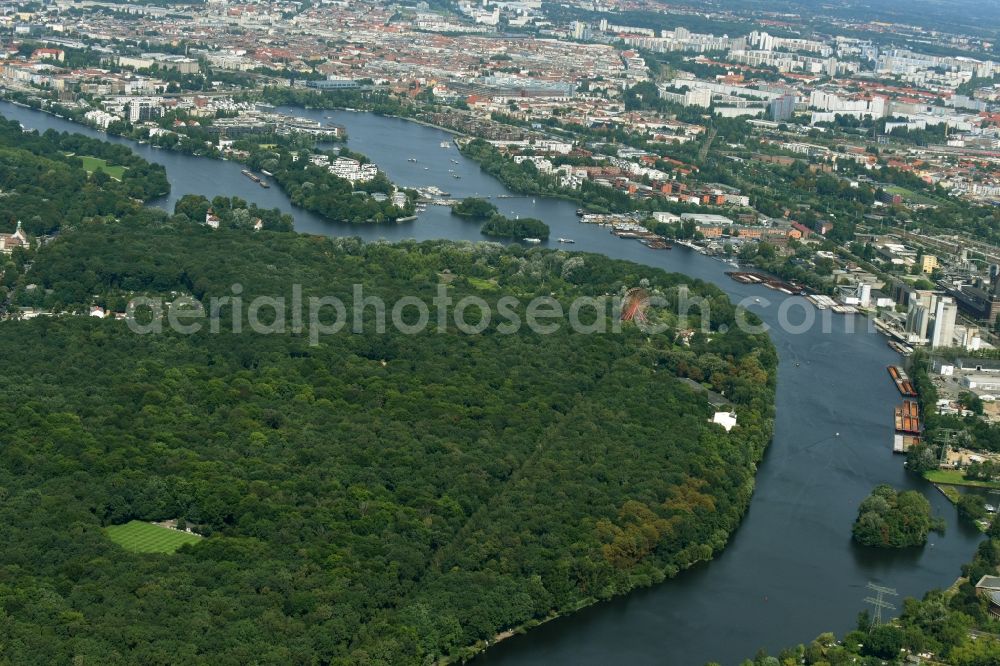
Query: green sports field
[(140, 537), (909, 195), (92, 164)]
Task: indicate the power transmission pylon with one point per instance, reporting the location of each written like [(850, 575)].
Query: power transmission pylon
[(947, 437), (878, 602)]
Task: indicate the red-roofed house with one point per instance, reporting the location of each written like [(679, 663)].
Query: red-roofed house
[(48, 54), (802, 229)]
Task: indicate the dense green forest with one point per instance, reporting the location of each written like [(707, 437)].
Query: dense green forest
[(475, 208), (233, 213), (499, 226), (373, 499), (44, 185), (891, 519)]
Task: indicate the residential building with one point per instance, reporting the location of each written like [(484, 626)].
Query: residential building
[(781, 108)]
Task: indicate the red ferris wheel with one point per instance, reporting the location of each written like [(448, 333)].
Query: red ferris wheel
[(634, 305)]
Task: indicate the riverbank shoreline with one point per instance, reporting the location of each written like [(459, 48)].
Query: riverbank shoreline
[(482, 648), (221, 158), (955, 478), (792, 537), (564, 196), (953, 495), (455, 133)]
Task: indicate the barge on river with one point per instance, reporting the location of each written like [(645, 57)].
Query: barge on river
[(907, 422), (771, 283), (903, 383), (908, 418)]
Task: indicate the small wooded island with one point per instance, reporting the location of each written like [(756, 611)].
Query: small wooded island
[(499, 226), (475, 208), (891, 519), (495, 224)]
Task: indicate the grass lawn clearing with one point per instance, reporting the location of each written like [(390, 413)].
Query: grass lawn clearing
[(954, 477), (483, 285), (909, 195), (139, 537), (951, 492), (92, 164)]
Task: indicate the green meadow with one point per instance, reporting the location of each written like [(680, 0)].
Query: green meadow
[(139, 537)]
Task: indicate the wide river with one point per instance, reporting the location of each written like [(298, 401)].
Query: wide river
[(791, 571)]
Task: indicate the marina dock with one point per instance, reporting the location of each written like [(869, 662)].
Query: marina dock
[(628, 226)]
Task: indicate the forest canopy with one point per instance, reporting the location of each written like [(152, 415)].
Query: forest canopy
[(475, 208), (374, 499), (499, 226), (45, 186), (891, 519)]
